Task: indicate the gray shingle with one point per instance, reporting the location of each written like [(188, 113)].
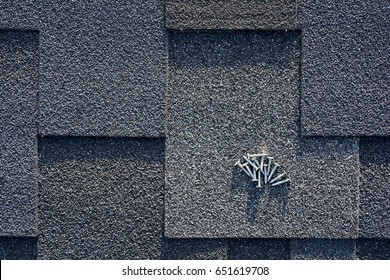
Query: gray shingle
[(374, 213), (19, 59), (231, 14), (345, 66), (101, 198), (373, 249), (233, 92), (323, 249), (259, 249), (102, 64), (195, 249), (18, 248)]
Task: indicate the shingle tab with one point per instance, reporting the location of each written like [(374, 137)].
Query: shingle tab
[(101, 198), (231, 14), (374, 213), (195, 249), (18, 248), (323, 249), (345, 66), (19, 64), (259, 249), (102, 65), (236, 92), (373, 249)]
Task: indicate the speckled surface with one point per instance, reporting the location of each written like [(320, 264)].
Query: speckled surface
[(18, 248), (373, 249), (18, 132), (259, 249), (345, 66), (323, 249), (101, 198), (236, 92), (102, 64), (231, 14), (195, 249), (374, 212)]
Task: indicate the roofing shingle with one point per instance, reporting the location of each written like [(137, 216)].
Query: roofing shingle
[(345, 66), (231, 14), (374, 212), (236, 92), (323, 249), (19, 58), (101, 198), (102, 64), (259, 249)]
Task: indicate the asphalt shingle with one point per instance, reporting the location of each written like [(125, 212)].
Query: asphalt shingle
[(323, 249), (102, 64), (19, 62), (345, 66), (195, 249), (231, 14), (373, 249), (374, 212), (101, 198), (236, 92), (259, 249), (18, 248)]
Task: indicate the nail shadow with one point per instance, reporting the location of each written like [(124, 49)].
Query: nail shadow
[(241, 182)]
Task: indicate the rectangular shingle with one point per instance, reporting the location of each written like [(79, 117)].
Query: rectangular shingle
[(345, 66), (231, 14), (373, 249), (195, 249), (101, 198), (236, 92), (259, 249), (18, 248), (323, 249), (19, 64), (374, 212), (102, 66)]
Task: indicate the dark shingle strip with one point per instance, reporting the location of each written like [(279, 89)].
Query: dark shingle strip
[(19, 64)]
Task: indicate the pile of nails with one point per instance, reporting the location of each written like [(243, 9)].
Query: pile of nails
[(261, 168)]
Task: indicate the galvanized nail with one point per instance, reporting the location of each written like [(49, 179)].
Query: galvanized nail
[(281, 182)]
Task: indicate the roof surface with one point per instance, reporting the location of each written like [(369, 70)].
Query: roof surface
[(121, 123)]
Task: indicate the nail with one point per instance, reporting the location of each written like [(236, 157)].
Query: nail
[(273, 171), (259, 180), (269, 164), (256, 155), (261, 164), (281, 182), (251, 163), (265, 175), (249, 170), (242, 167), (277, 178)]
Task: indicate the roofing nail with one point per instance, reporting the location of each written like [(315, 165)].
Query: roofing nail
[(262, 163), (251, 163), (277, 178), (256, 155), (242, 167), (273, 171), (249, 170), (269, 164), (259, 180), (281, 182)]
